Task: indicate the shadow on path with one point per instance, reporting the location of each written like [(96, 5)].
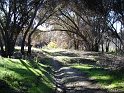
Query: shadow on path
[(71, 80)]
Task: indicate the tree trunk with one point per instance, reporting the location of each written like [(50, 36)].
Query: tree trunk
[(29, 45), (76, 43), (102, 46), (2, 49), (107, 49), (96, 47), (87, 46), (9, 48), (29, 41), (107, 45), (23, 43), (22, 47)]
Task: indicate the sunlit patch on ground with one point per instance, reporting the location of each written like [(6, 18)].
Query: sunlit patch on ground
[(89, 62), (21, 76)]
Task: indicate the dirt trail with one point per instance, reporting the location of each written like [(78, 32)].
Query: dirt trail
[(71, 80)]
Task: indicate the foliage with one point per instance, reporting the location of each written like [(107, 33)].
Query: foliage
[(52, 44), (86, 22), (15, 16), (22, 16)]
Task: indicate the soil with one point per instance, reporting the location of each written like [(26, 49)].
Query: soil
[(71, 80)]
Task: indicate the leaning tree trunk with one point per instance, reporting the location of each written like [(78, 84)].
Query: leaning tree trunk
[(26, 32), (29, 41), (29, 37)]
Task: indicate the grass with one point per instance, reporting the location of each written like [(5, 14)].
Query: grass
[(111, 80), (107, 79), (20, 75)]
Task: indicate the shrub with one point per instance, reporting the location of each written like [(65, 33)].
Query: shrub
[(52, 44)]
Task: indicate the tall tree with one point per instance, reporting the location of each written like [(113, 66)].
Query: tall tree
[(17, 16), (48, 9), (13, 19)]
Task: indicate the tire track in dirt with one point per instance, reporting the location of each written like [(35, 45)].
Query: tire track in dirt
[(71, 80)]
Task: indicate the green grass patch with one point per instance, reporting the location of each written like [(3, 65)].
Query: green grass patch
[(107, 79), (20, 75)]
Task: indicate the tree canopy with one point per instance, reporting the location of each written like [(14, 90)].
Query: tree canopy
[(88, 20)]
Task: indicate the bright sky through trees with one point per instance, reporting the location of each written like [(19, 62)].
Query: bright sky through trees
[(44, 27), (117, 26)]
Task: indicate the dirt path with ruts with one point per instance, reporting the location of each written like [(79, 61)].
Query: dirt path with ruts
[(71, 80)]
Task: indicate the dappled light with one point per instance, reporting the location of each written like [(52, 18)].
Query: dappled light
[(82, 74), (21, 75), (61, 46), (57, 71)]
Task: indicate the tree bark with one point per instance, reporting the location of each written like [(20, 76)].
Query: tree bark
[(107, 45), (102, 47), (23, 44), (29, 45), (96, 47), (9, 48)]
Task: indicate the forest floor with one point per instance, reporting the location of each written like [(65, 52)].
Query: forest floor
[(86, 72), (62, 71)]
